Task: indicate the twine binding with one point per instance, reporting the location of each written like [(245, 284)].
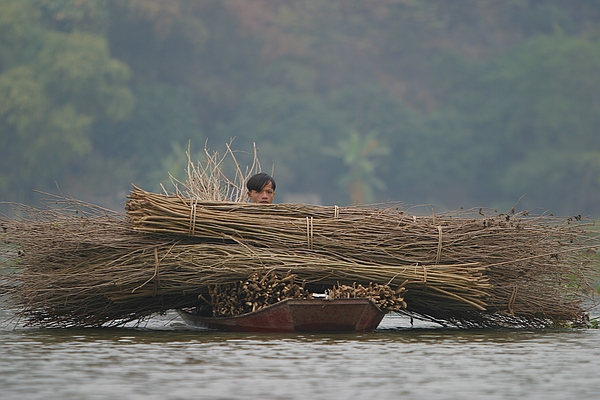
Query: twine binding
[(309, 232), (511, 301), (439, 248), (192, 229)]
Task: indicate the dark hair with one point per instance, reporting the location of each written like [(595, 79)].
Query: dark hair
[(259, 181)]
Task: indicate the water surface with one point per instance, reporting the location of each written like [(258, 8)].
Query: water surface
[(168, 360)]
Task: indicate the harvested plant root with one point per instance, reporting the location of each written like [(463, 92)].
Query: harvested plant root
[(383, 296), (258, 291), (263, 289)]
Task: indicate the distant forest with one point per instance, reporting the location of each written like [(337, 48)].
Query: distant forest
[(470, 103)]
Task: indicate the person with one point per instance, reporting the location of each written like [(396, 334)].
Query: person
[(261, 188)]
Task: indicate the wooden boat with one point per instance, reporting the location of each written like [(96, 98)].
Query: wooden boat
[(298, 315)]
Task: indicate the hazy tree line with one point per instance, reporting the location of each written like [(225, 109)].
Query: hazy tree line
[(458, 103)]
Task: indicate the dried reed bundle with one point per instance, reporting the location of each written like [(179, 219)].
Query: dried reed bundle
[(523, 256), (81, 265), (124, 284), (378, 235)]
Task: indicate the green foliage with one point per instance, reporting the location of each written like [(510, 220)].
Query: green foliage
[(439, 162), (361, 154), (474, 102), (368, 112), (533, 117), (164, 118), (69, 15), (23, 99), (77, 69), (289, 129), (51, 97)]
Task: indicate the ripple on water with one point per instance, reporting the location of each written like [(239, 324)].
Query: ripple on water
[(166, 359)]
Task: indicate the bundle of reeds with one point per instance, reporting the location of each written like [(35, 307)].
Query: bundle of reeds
[(77, 264), (81, 265), (87, 278), (521, 255)]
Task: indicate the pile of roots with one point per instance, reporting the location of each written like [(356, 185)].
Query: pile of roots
[(257, 292), (384, 297), (263, 289), (70, 263)]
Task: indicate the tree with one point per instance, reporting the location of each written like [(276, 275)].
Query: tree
[(361, 154), (163, 122), (533, 115), (53, 87), (289, 129)]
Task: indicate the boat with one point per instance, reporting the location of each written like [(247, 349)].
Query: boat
[(297, 315)]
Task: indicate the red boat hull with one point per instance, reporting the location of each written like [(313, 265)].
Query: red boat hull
[(298, 315)]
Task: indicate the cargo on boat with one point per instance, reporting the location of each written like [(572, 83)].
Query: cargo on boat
[(234, 265)]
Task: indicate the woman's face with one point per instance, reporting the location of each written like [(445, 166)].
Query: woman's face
[(265, 196)]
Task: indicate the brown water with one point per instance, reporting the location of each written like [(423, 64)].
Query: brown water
[(167, 360)]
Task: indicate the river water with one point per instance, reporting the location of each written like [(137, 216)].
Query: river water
[(167, 360)]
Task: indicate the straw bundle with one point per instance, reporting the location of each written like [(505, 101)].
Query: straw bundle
[(77, 264), (81, 265), (520, 256)]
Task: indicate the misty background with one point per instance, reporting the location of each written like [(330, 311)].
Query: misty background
[(469, 103)]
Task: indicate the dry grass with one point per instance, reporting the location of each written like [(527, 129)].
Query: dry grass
[(77, 264)]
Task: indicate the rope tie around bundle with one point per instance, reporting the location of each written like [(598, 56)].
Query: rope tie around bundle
[(438, 256), (193, 214), (309, 232)]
